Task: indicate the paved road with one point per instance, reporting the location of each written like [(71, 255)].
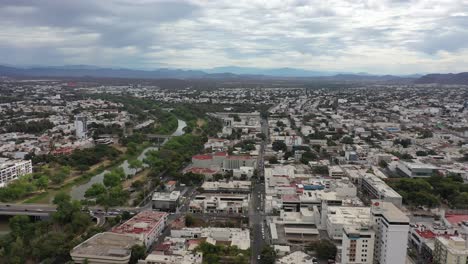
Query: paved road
[(258, 226)]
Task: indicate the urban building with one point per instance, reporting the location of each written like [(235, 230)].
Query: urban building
[(297, 257), (217, 203), (358, 245), (105, 248), (391, 227), (146, 226), (338, 217), (187, 258), (166, 201), (376, 188), (227, 236), (415, 169), (81, 127), (11, 170), (450, 250)]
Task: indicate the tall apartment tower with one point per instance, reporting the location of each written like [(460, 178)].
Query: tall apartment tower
[(357, 245), (81, 128), (391, 228)]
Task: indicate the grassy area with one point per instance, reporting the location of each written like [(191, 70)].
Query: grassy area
[(142, 175), (47, 196)]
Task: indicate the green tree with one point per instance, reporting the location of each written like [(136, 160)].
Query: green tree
[(135, 164), (42, 182), (326, 249), (138, 252), (278, 145), (268, 255)]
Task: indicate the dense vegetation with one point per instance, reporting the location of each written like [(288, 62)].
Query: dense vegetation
[(213, 254), (110, 192), (80, 157), (49, 241), (432, 191), (32, 127)]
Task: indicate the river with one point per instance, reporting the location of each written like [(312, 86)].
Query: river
[(77, 192)]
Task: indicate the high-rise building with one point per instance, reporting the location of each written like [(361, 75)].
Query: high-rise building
[(391, 228), (81, 128), (450, 250), (12, 169), (357, 245)]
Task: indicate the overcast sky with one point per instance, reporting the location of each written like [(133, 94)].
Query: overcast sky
[(375, 36)]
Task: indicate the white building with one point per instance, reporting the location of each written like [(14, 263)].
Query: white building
[(358, 245), (11, 170), (391, 238), (105, 248), (297, 257), (378, 189), (232, 236), (338, 217), (166, 201), (450, 250), (81, 127), (147, 226), (189, 258), (415, 169)]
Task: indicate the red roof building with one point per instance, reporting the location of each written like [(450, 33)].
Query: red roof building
[(146, 226)]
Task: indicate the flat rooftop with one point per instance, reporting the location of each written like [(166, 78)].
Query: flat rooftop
[(106, 244), (389, 211), (143, 222)]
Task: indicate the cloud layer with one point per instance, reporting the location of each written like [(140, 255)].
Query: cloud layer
[(376, 36)]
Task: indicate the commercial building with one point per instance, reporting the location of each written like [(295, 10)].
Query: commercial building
[(415, 169), (11, 170), (297, 257), (227, 187), (146, 226), (81, 127), (358, 245), (105, 248), (220, 203), (189, 258), (450, 250), (391, 238), (215, 235), (166, 201), (339, 217), (223, 160), (376, 188)]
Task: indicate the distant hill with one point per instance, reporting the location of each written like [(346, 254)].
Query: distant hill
[(277, 72), (233, 73), (449, 78)]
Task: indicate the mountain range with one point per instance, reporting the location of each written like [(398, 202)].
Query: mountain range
[(230, 72)]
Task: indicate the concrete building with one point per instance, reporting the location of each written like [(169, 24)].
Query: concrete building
[(450, 250), (391, 238), (223, 160), (357, 245), (415, 169), (166, 201), (81, 127), (146, 226), (228, 236), (189, 258), (227, 187), (217, 203), (339, 217), (297, 257), (376, 188), (105, 248), (335, 172), (11, 170)]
